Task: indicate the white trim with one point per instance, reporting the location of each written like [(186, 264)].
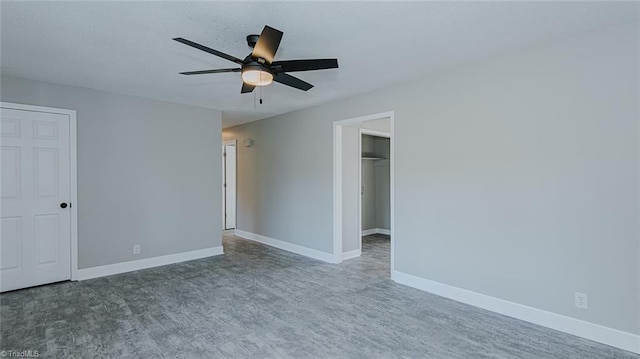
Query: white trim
[(229, 232), (337, 180), (368, 232), (73, 173), (74, 194), (286, 246), (233, 143), (117, 268), (392, 189), (595, 332), (337, 193), (359, 189), (351, 254)]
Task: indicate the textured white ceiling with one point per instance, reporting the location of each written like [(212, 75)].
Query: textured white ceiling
[(126, 47)]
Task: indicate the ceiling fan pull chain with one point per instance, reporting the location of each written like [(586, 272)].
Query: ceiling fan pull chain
[(261, 88)]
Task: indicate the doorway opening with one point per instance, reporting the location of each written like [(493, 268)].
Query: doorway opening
[(229, 185), (348, 186), (374, 180)]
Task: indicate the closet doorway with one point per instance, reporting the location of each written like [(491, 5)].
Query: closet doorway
[(375, 191), (348, 190)]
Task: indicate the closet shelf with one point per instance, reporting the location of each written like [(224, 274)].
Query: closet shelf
[(371, 156)]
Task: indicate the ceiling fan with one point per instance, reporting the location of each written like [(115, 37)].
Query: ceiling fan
[(258, 68)]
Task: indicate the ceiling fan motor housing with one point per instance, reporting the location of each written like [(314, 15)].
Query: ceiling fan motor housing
[(254, 65), (252, 40)]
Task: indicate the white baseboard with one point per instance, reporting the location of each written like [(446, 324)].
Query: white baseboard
[(286, 246), (368, 232), (595, 332), (117, 268), (351, 254), (229, 232)]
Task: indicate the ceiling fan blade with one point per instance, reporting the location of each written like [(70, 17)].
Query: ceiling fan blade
[(289, 80), (209, 50), (267, 44), (216, 71), (246, 88), (304, 65)]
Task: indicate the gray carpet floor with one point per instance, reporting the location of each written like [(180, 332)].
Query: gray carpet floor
[(260, 302)]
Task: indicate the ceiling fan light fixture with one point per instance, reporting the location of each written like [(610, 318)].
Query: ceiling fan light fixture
[(259, 67), (256, 76)]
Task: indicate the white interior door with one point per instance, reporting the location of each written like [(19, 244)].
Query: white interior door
[(35, 184), (229, 184)]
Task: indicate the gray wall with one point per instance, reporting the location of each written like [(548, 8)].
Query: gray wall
[(369, 192), (516, 177), (368, 184), (282, 189), (383, 194), (368, 144), (382, 182), (351, 233), (149, 172), (382, 147)]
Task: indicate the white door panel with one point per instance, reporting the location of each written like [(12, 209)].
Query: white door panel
[(11, 239), (230, 198), (229, 186), (11, 170), (35, 168)]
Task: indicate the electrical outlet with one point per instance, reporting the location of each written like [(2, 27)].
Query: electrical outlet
[(581, 300), (136, 249)]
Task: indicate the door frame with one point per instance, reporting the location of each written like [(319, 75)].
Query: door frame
[(73, 173), (337, 181), (234, 143), (376, 133)]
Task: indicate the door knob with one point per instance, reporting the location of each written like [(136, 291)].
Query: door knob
[(63, 205)]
